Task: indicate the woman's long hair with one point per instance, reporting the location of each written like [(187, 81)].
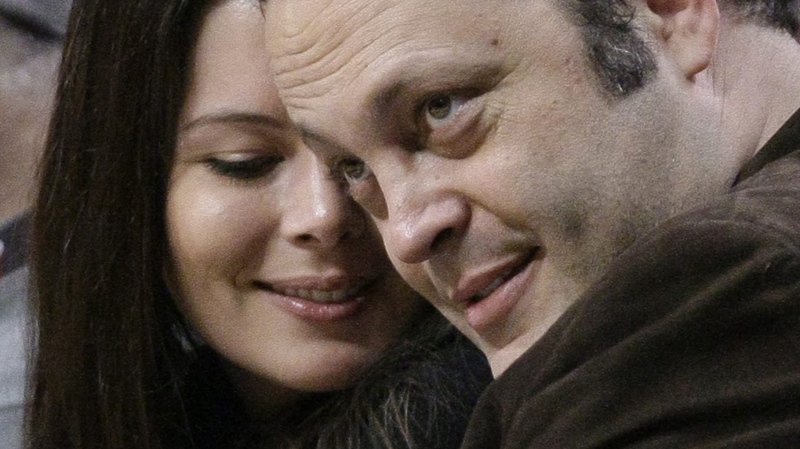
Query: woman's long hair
[(111, 348), (106, 357)]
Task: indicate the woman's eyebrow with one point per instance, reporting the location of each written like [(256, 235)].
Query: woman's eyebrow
[(233, 118)]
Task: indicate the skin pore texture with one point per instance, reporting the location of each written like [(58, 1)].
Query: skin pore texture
[(758, 101), (277, 270), (501, 176)]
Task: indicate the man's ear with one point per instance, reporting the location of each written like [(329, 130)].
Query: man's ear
[(687, 30)]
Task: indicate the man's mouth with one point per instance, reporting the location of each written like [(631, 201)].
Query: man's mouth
[(502, 278), (489, 296)]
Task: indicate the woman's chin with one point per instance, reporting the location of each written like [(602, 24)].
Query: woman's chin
[(329, 375), (272, 384)]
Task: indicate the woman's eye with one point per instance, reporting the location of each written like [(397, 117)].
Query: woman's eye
[(440, 109), (353, 169), (243, 169)]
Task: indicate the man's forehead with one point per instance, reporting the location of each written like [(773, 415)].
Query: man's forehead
[(357, 57), (308, 30), (320, 47), (50, 14), (299, 18), (293, 17), (311, 27), (321, 41)]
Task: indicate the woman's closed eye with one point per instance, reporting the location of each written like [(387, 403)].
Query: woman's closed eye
[(243, 168)]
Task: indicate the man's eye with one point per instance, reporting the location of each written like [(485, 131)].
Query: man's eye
[(440, 109), (353, 169), (244, 169)]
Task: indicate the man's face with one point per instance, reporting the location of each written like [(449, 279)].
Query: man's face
[(502, 179)]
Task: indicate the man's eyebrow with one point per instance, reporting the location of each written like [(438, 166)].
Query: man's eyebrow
[(233, 118), (418, 78), (431, 76)]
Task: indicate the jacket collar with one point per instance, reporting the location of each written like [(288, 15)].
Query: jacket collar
[(785, 141)]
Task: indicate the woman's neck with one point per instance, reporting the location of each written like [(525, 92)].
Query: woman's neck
[(262, 399)]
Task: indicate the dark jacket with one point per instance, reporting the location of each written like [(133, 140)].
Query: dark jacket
[(691, 339)]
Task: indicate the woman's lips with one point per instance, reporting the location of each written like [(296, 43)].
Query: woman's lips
[(305, 299), (322, 296), (316, 311)]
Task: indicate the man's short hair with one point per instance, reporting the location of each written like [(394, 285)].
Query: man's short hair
[(618, 53), (621, 56)]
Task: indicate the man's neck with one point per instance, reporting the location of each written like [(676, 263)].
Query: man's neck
[(756, 72)]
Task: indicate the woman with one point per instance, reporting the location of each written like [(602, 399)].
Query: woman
[(201, 280)]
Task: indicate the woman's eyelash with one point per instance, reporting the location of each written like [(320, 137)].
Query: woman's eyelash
[(245, 169)]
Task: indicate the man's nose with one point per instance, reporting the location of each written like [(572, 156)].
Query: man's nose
[(317, 213), (423, 227)]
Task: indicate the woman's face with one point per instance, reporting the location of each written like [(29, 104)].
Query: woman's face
[(271, 263)]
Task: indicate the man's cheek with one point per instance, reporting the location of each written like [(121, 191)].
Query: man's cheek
[(413, 274), (420, 281)]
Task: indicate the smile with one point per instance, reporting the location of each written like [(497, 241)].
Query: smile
[(491, 295), (328, 291), (322, 296), (320, 300), (500, 280)]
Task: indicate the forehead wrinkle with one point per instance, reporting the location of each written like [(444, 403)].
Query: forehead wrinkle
[(326, 46), (331, 74), (340, 54)]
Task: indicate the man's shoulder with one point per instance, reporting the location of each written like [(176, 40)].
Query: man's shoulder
[(741, 242), (769, 200)]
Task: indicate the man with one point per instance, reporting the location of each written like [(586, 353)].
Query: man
[(31, 34), (556, 177)]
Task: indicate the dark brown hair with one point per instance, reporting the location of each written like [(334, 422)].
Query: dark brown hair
[(104, 363)]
